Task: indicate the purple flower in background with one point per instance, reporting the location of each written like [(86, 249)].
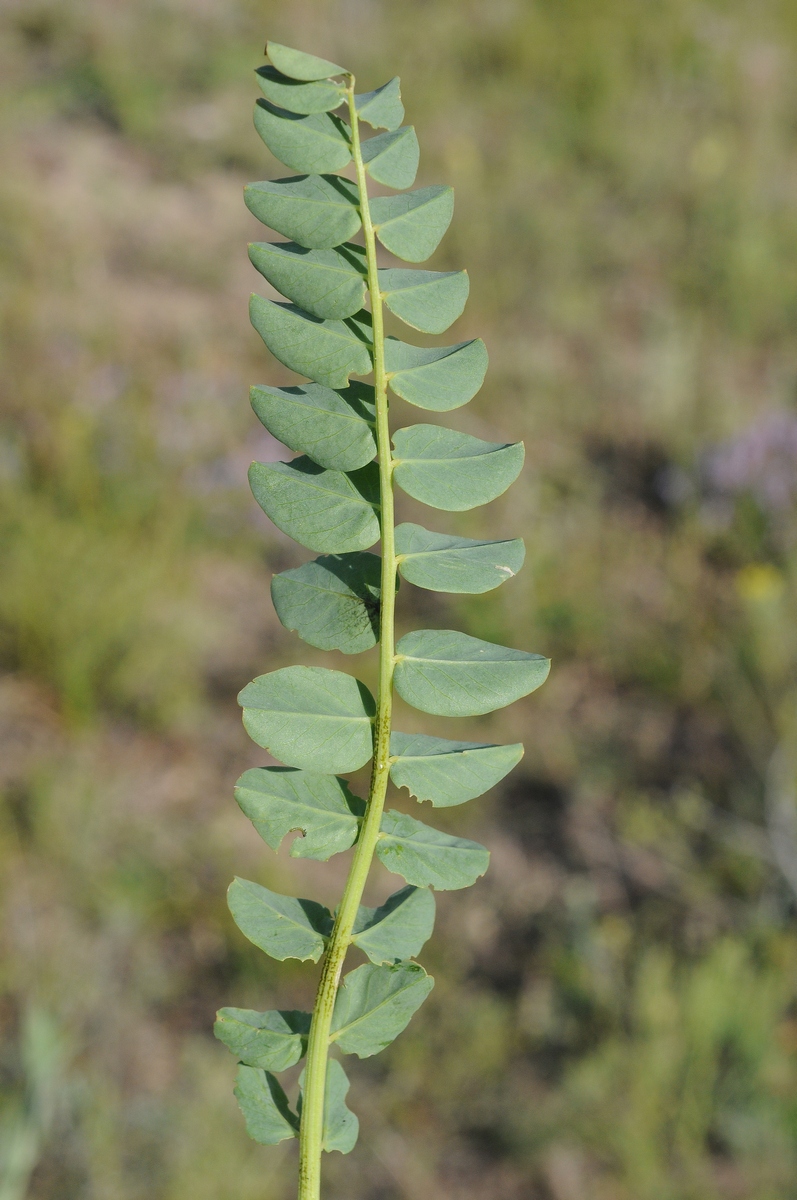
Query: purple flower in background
[(762, 460)]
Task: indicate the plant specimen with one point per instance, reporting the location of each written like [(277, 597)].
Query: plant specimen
[(337, 499)]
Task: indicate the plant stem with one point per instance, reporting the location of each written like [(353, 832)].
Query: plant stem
[(312, 1122)]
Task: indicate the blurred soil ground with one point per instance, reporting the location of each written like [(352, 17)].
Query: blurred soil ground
[(615, 1016)]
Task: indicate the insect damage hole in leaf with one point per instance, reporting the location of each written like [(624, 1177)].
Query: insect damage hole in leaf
[(336, 499)]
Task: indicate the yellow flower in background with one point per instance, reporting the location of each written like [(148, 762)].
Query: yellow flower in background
[(760, 583)]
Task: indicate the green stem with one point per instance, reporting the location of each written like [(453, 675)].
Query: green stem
[(311, 1131)]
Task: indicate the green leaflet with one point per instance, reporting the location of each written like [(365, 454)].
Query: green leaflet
[(426, 300), (272, 1041), (334, 428), (412, 225), (451, 674), (427, 857), (297, 65), (332, 603), (281, 926), (299, 97), (317, 211), (279, 800), (341, 1126), (310, 717), (374, 1004), (438, 378), (326, 283), (312, 143), (326, 351), (265, 1107), (452, 470), (399, 928), (392, 158), (441, 563), (448, 773), (323, 510), (382, 108)]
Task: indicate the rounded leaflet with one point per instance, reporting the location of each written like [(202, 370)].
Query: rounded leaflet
[(317, 211), (332, 603), (332, 511), (442, 563), (411, 225), (299, 96), (334, 428), (326, 283), (281, 926), (273, 1041), (438, 378), (451, 470), (381, 108), (327, 352), (265, 1107), (298, 65), (392, 158), (283, 800), (452, 674), (448, 773), (426, 300), (427, 857), (313, 143), (310, 717), (375, 1003)]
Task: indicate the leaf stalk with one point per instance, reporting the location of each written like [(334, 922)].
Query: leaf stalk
[(312, 1120)]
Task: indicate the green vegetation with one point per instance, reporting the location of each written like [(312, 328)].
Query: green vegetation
[(317, 720), (613, 1010)]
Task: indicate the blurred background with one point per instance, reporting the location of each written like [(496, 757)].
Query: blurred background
[(615, 1016)]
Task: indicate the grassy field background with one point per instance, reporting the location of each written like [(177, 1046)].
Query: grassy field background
[(615, 1016)]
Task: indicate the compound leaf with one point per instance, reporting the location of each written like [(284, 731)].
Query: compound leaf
[(273, 1041), (441, 563), (297, 96), (426, 300), (448, 773), (375, 1003), (427, 857), (326, 283), (265, 1107), (332, 603), (320, 722), (453, 470), (382, 108), (298, 65), (281, 926), (279, 800), (451, 674), (392, 158), (399, 928), (326, 351), (336, 429), (310, 717), (311, 143), (317, 211), (438, 377), (411, 225), (323, 510)]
